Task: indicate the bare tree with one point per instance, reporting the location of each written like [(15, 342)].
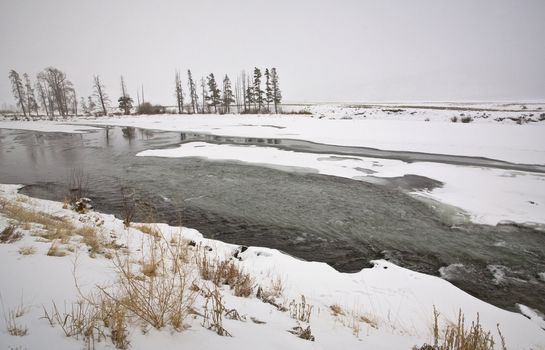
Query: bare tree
[(179, 93), (32, 105), (18, 89), (100, 93), (44, 98), (59, 88)]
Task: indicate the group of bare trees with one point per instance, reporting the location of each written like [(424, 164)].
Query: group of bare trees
[(54, 93), (248, 95)]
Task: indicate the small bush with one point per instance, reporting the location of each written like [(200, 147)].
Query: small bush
[(28, 250), (303, 333), (225, 272), (466, 119), (54, 250), (454, 119), (336, 310), (457, 337), (10, 235), (148, 108), (90, 238)]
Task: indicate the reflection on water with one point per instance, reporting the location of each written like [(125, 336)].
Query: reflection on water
[(340, 221)]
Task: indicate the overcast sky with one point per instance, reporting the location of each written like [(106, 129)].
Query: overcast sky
[(352, 50)]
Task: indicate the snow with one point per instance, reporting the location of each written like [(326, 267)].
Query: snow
[(503, 141), (398, 300), (46, 126), (489, 195)]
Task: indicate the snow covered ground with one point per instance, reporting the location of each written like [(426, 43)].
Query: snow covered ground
[(488, 195), (385, 307)]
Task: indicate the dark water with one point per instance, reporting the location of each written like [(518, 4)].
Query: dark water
[(342, 222)]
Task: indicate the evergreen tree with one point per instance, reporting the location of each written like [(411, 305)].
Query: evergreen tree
[(250, 98), (179, 93), (268, 89), (18, 89), (32, 105), (192, 91), (228, 96), (205, 96), (83, 106), (125, 101), (277, 95), (214, 98), (258, 93), (91, 105)]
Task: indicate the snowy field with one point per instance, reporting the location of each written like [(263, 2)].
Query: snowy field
[(384, 307)]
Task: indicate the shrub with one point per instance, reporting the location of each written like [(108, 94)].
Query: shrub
[(454, 119), (148, 108), (28, 250), (467, 119), (10, 235), (457, 337)]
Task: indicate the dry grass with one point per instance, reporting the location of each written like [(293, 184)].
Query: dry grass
[(456, 337), (150, 230), (336, 310), (12, 324), (27, 250), (54, 250), (90, 238), (300, 311), (225, 272), (213, 313), (10, 235), (53, 227)]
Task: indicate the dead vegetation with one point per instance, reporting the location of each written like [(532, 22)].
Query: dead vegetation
[(225, 272), (55, 250), (27, 250), (10, 235), (303, 333), (51, 227), (91, 239), (13, 326), (456, 336), (300, 310)]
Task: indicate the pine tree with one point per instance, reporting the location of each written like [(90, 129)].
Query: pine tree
[(83, 106), (277, 95), (179, 93), (228, 96), (32, 105), (125, 101), (214, 98), (268, 89), (91, 105), (192, 91), (205, 96), (250, 98), (258, 93), (18, 89)]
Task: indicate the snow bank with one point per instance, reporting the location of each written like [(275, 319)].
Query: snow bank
[(397, 302), (46, 126)]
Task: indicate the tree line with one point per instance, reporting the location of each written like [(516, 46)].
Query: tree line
[(54, 94)]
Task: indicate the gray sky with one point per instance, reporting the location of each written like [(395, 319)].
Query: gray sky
[(351, 50)]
